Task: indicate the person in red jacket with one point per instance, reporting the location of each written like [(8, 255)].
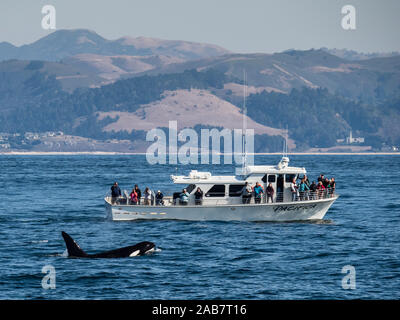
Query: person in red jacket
[(320, 190), (133, 197)]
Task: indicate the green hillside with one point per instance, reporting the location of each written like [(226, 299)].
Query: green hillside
[(315, 117)]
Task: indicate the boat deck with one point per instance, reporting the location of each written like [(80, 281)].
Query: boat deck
[(169, 201)]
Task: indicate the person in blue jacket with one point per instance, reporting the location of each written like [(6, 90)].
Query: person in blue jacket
[(184, 197), (115, 192), (303, 190), (258, 192)]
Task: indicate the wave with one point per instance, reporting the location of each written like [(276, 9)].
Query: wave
[(392, 206)]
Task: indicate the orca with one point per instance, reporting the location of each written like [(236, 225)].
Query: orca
[(74, 251)]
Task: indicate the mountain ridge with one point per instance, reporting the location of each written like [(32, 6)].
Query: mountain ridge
[(69, 42)]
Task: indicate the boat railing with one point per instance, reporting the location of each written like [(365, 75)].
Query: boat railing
[(278, 197), (303, 195)]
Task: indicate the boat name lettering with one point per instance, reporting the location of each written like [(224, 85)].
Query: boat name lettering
[(294, 207)]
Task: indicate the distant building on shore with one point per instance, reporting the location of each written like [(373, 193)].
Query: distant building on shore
[(350, 139)]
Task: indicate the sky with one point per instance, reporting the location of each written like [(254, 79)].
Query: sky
[(240, 26)]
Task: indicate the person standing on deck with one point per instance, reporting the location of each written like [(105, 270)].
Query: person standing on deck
[(133, 197), (313, 191), (159, 198), (326, 184), (307, 182), (333, 186), (139, 193), (258, 192), (303, 189), (293, 189), (198, 197), (115, 192), (184, 197), (147, 197), (246, 193), (320, 190), (270, 193)]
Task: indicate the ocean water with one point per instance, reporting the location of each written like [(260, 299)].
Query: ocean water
[(43, 195)]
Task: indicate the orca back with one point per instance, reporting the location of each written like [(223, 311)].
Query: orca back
[(130, 251), (138, 249)]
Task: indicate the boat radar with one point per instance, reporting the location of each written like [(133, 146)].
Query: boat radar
[(284, 163)]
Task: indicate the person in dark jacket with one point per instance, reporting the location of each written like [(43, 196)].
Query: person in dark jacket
[(313, 191), (139, 193), (198, 197), (332, 185), (115, 192), (159, 198), (270, 193), (326, 182)]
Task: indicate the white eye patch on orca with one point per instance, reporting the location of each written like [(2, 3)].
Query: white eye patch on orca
[(134, 253)]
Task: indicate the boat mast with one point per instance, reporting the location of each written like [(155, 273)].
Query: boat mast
[(244, 151), (285, 144)]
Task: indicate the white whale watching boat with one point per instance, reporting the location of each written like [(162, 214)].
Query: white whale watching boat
[(222, 200)]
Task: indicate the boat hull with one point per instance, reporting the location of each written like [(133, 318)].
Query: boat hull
[(289, 211)]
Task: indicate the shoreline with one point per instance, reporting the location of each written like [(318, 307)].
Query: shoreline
[(101, 153)]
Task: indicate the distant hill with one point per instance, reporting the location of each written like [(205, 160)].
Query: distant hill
[(77, 82), (84, 70), (65, 43), (367, 80), (99, 70), (92, 62), (355, 55), (126, 109)]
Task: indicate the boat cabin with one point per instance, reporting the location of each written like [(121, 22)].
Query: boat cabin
[(228, 189)]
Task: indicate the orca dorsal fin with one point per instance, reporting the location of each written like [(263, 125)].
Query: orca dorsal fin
[(73, 248)]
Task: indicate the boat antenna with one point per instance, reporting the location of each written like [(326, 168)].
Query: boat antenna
[(244, 151)]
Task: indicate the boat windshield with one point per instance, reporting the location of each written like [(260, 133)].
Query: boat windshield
[(190, 188)]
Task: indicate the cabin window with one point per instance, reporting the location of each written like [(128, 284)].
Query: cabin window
[(190, 188), (289, 177), (218, 190), (270, 178), (235, 190)]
